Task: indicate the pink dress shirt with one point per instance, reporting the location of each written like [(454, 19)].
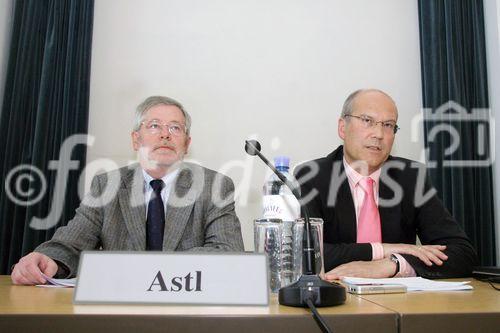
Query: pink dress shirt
[(358, 195)]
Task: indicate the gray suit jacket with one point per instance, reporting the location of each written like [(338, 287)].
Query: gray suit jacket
[(200, 216)]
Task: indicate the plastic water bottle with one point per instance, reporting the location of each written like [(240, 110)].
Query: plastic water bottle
[(279, 203)]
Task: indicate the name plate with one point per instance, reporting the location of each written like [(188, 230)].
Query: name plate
[(172, 278)]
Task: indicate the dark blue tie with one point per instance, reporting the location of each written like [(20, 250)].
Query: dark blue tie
[(155, 223)]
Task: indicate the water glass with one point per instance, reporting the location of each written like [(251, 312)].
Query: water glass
[(268, 239), (317, 235)]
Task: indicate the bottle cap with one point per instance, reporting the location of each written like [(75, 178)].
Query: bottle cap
[(282, 162)]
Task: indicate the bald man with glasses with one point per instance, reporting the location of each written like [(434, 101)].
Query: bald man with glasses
[(375, 205)]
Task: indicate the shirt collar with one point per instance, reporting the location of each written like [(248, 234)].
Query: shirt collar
[(168, 179), (354, 177)]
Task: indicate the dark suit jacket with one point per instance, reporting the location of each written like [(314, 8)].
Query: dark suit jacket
[(401, 222), (200, 216)]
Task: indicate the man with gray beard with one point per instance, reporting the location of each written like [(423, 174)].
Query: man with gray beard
[(159, 204)]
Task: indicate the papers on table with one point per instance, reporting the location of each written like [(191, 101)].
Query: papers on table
[(58, 283), (414, 283)]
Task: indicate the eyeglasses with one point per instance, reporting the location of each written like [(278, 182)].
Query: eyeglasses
[(369, 122), (155, 127)]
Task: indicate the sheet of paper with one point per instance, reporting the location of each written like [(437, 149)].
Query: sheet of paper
[(58, 283), (414, 283)]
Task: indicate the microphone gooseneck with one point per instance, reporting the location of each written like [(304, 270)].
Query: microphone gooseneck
[(310, 289), (252, 147)]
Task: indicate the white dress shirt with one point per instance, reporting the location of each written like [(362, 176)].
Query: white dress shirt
[(168, 179)]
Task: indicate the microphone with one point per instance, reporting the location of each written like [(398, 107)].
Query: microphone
[(252, 147), (310, 289)]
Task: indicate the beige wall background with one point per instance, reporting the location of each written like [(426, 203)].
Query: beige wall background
[(276, 70)]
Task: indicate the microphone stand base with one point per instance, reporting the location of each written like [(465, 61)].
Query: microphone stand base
[(321, 293)]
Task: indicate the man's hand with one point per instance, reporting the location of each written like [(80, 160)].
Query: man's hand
[(382, 268), (29, 269), (429, 254)]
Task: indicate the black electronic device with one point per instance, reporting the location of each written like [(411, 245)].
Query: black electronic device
[(486, 272)]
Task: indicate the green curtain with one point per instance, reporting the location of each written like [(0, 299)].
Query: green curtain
[(45, 103), (453, 65)]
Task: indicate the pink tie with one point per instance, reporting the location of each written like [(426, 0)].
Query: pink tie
[(369, 230)]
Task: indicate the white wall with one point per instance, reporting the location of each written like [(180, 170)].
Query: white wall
[(278, 70), (6, 18), (492, 26)]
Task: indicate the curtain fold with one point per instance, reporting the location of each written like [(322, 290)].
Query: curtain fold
[(45, 104), (454, 82)]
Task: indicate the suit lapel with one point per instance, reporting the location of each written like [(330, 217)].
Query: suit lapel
[(343, 213), (389, 216), (346, 213), (179, 208), (133, 206), (344, 209)]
